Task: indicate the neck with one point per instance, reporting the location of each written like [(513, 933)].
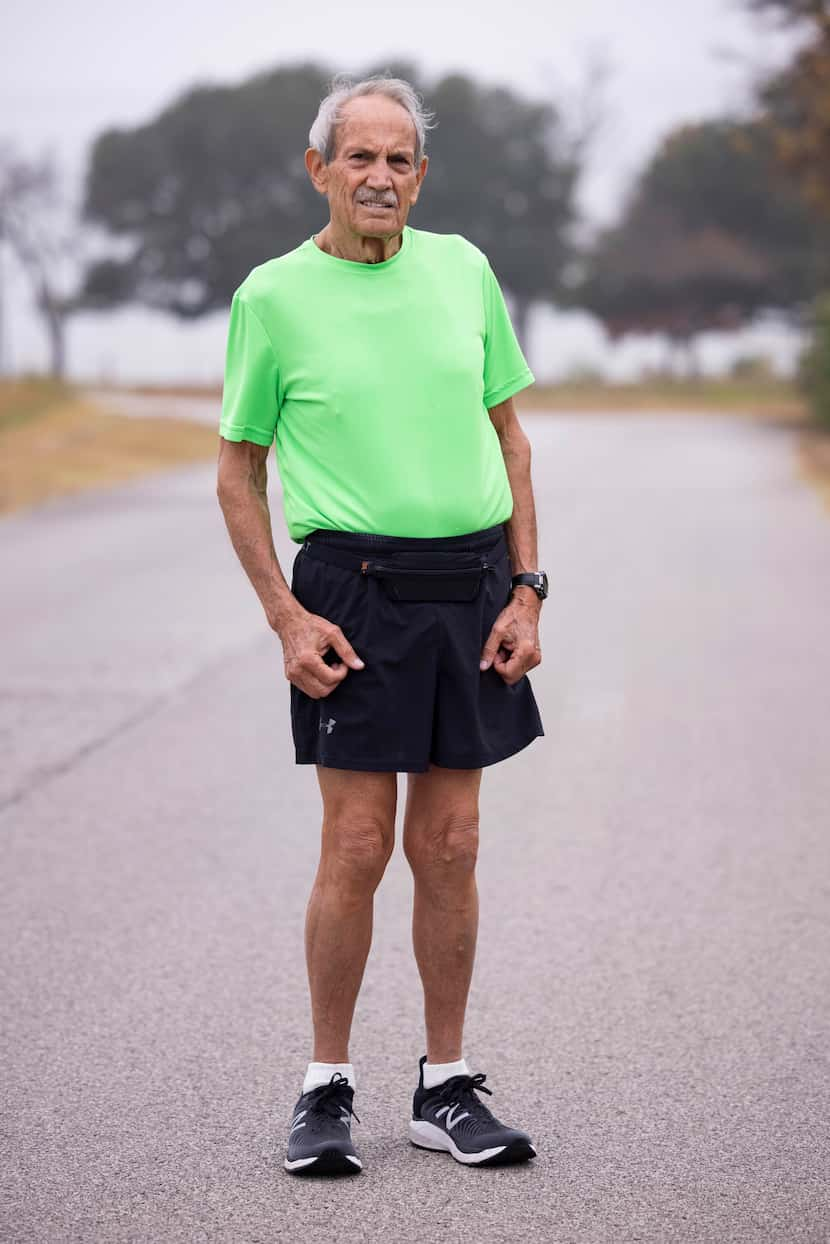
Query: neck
[(358, 247)]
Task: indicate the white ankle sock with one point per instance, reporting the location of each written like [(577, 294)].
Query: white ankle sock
[(321, 1073), (437, 1073)]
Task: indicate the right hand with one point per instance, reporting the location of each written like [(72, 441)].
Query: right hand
[(305, 638)]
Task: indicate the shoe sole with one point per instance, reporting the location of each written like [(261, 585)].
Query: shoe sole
[(329, 1162), (427, 1136)]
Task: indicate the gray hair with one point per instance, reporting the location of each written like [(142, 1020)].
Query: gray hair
[(323, 133)]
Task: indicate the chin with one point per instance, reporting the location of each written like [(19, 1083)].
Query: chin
[(378, 228)]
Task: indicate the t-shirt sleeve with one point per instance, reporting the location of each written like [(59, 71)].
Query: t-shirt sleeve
[(250, 404), (505, 367)]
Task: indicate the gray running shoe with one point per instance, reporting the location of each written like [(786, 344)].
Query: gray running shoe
[(452, 1118), (320, 1138)]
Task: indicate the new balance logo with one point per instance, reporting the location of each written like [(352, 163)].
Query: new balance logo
[(453, 1118), (329, 725)]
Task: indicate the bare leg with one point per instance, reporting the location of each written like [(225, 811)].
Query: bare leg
[(441, 845), (358, 835)]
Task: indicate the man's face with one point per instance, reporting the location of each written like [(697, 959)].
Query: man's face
[(372, 181)]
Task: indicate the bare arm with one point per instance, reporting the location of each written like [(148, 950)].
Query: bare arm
[(242, 482), (522, 535), (513, 644)]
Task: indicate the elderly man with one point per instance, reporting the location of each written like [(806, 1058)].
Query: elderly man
[(383, 359)]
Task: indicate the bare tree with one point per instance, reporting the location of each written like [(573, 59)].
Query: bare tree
[(41, 230)]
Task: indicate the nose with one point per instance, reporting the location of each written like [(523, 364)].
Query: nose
[(378, 175)]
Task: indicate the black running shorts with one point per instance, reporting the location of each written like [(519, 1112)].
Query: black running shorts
[(421, 697)]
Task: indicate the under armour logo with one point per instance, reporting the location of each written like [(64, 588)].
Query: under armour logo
[(328, 726)]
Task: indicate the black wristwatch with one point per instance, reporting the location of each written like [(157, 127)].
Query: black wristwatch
[(537, 579)]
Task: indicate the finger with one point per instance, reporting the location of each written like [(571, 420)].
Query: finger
[(313, 675), (304, 679), (327, 675), (529, 654), (491, 647), (503, 660), (511, 665), (344, 649), (316, 688)]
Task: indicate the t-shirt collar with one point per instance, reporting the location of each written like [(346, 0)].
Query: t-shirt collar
[(358, 264)]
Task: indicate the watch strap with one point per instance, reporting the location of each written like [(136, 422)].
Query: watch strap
[(531, 578)]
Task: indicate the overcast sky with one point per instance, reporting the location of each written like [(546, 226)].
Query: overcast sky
[(71, 70)]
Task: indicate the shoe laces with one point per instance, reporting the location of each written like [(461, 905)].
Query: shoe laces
[(462, 1090), (329, 1098)]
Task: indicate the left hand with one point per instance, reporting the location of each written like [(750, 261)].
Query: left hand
[(512, 646)]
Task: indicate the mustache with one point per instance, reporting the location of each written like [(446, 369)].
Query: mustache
[(383, 200)]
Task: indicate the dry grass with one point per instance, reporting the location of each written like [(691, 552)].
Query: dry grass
[(758, 398), (52, 442), (28, 397), (814, 460), (773, 399)]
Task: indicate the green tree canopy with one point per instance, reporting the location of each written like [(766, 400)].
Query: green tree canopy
[(794, 10), (796, 101), (711, 233), (217, 183), (202, 193)]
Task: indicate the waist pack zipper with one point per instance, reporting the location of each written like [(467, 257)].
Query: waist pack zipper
[(405, 570)]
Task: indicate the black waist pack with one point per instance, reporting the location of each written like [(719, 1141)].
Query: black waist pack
[(452, 576), (408, 583)]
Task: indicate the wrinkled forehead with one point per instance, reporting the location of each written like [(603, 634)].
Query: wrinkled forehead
[(377, 123)]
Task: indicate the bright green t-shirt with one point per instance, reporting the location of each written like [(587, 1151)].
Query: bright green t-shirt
[(376, 379)]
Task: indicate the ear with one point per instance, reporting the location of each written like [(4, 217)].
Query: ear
[(419, 177), (317, 170)]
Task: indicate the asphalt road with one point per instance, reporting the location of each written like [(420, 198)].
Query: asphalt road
[(652, 989)]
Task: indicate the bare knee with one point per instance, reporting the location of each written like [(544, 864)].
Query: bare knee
[(443, 852), (356, 849)]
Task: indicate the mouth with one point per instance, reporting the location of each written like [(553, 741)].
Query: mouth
[(383, 207)]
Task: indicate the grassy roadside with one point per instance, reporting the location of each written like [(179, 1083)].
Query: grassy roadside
[(53, 441), (768, 398), (814, 461)]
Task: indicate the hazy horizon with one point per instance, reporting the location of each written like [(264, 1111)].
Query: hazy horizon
[(102, 67)]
